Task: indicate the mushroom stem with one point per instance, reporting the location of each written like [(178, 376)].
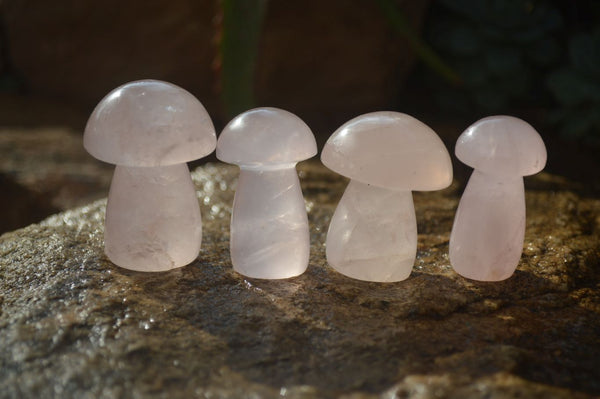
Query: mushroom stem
[(152, 218), (269, 225), (487, 236), (373, 234)]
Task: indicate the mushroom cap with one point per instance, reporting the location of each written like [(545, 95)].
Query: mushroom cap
[(149, 123), (264, 136), (389, 150), (502, 145)]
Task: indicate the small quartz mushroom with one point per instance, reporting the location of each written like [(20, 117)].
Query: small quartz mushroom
[(269, 225), (150, 129), (373, 233), (487, 236)]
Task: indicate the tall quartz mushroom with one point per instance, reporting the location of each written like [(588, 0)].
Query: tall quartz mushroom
[(487, 236), (269, 225), (373, 233), (149, 129)]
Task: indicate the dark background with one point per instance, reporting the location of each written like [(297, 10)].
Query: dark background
[(448, 63)]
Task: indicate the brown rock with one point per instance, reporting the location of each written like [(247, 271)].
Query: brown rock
[(332, 60), (317, 58), (80, 50), (20, 206), (74, 325), (44, 170)]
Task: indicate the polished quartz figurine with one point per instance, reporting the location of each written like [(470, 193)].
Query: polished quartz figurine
[(149, 129), (487, 236), (269, 226), (373, 233)]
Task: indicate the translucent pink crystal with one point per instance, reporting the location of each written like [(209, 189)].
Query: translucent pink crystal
[(373, 233), (487, 236), (152, 218), (269, 226), (150, 129)]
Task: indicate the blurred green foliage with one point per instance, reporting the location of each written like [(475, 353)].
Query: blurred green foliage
[(403, 28), (497, 47), (238, 47), (521, 55), (576, 87)]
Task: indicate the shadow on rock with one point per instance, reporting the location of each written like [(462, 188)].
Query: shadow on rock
[(336, 334)]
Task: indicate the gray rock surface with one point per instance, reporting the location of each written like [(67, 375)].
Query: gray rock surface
[(45, 170), (74, 325)]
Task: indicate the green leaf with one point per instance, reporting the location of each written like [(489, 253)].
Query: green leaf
[(583, 122), (473, 72), (584, 51), (490, 99), (516, 84), (544, 52), (399, 22), (503, 60), (463, 40), (546, 17), (242, 22), (453, 101), (472, 9), (570, 88)]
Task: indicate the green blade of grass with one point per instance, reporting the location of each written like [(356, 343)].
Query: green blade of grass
[(400, 24), (242, 22)]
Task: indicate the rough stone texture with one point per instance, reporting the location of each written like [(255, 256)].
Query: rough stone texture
[(43, 171), (74, 325), (52, 162)]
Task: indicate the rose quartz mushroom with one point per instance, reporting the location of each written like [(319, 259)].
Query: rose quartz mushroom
[(487, 236), (373, 233), (150, 129), (269, 225)]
